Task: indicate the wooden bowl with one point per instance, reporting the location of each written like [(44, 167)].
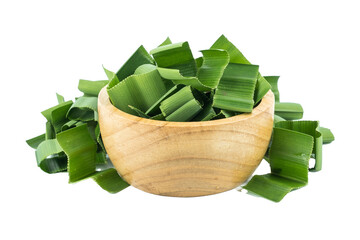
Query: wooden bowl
[(185, 159)]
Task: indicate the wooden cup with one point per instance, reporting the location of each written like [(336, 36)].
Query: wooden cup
[(185, 159)]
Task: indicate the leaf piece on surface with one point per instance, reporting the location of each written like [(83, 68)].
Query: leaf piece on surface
[(289, 156), (311, 128), (110, 180)]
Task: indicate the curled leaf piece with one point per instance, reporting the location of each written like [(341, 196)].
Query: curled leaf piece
[(175, 76), (311, 128), (50, 156), (207, 76), (273, 80), (84, 109), (213, 65), (289, 156), (272, 187), (80, 149), (175, 56)]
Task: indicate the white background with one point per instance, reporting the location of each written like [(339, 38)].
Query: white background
[(46, 46)]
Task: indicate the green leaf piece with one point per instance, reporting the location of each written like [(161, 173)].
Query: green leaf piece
[(49, 131), (175, 56), (159, 116), (235, 55), (172, 103), (48, 112), (110, 180), (289, 156), (58, 115), (98, 137), (145, 68), (206, 114), (60, 98), (327, 135), (140, 91), (109, 74), (34, 142), (100, 157), (278, 119), (175, 76), (272, 187), (181, 106), (155, 108), (236, 88), (50, 157), (186, 112), (273, 81), (71, 124), (80, 149), (139, 57), (227, 113), (311, 128), (91, 88), (167, 41), (139, 112), (213, 66), (208, 75), (289, 111), (84, 109), (262, 86)]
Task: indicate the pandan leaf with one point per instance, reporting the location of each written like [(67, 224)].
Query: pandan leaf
[(80, 149), (236, 88), (91, 88), (273, 80), (139, 90), (84, 109), (289, 111), (262, 86), (50, 157), (110, 180), (289, 156)]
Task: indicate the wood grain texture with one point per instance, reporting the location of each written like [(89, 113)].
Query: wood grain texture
[(185, 159)]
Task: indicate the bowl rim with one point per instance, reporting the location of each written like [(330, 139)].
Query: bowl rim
[(266, 103)]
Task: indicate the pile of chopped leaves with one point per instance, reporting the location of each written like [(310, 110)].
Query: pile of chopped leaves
[(169, 84)]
